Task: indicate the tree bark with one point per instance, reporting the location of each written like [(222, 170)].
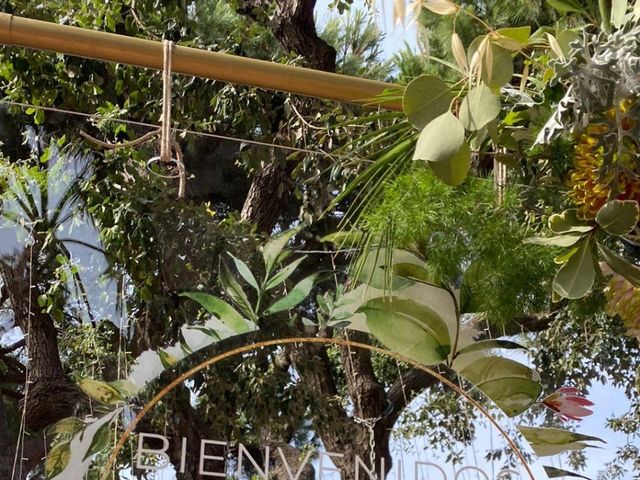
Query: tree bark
[(50, 395), (294, 27)]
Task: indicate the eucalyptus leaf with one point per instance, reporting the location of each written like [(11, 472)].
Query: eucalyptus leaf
[(479, 107), (426, 98), (245, 272), (512, 38), (441, 139), (454, 170), (295, 297), (575, 278), (408, 328), (501, 63), (221, 309), (565, 38), (618, 217)]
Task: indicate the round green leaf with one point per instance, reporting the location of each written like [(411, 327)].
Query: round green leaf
[(453, 171), (441, 139), (426, 98), (479, 107), (499, 70), (408, 328), (512, 38), (618, 217)]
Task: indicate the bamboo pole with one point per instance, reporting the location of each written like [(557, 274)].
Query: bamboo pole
[(110, 47)]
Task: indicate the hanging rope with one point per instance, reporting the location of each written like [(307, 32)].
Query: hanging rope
[(168, 143)]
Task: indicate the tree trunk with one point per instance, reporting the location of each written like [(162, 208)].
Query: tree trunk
[(50, 395), (293, 25)]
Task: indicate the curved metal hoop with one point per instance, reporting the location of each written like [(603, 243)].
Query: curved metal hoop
[(106, 470), (173, 162)]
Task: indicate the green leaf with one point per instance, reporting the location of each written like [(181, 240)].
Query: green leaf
[(166, 358), (236, 293), (553, 472), (622, 267), (566, 6), (271, 250), (245, 272), (100, 440), (283, 274), (57, 459), (67, 426), (375, 267), (221, 309), (295, 297), (345, 239), (512, 38), (565, 38), (479, 107), (553, 441), (618, 12), (454, 170), (408, 328), (440, 140), (567, 222), (489, 345), (426, 98), (575, 278), (557, 241), (499, 70), (100, 391), (514, 387), (618, 217), (416, 273)]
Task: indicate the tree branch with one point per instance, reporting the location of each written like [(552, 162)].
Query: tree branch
[(19, 344)]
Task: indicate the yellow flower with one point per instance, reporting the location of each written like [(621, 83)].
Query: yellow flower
[(624, 300), (589, 191)]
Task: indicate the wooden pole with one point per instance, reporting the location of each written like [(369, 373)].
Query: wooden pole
[(110, 47)]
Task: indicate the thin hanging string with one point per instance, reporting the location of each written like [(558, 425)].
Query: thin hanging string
[(18, 458), (157, 128)]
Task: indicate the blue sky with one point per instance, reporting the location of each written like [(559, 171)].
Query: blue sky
[(395, 37)]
